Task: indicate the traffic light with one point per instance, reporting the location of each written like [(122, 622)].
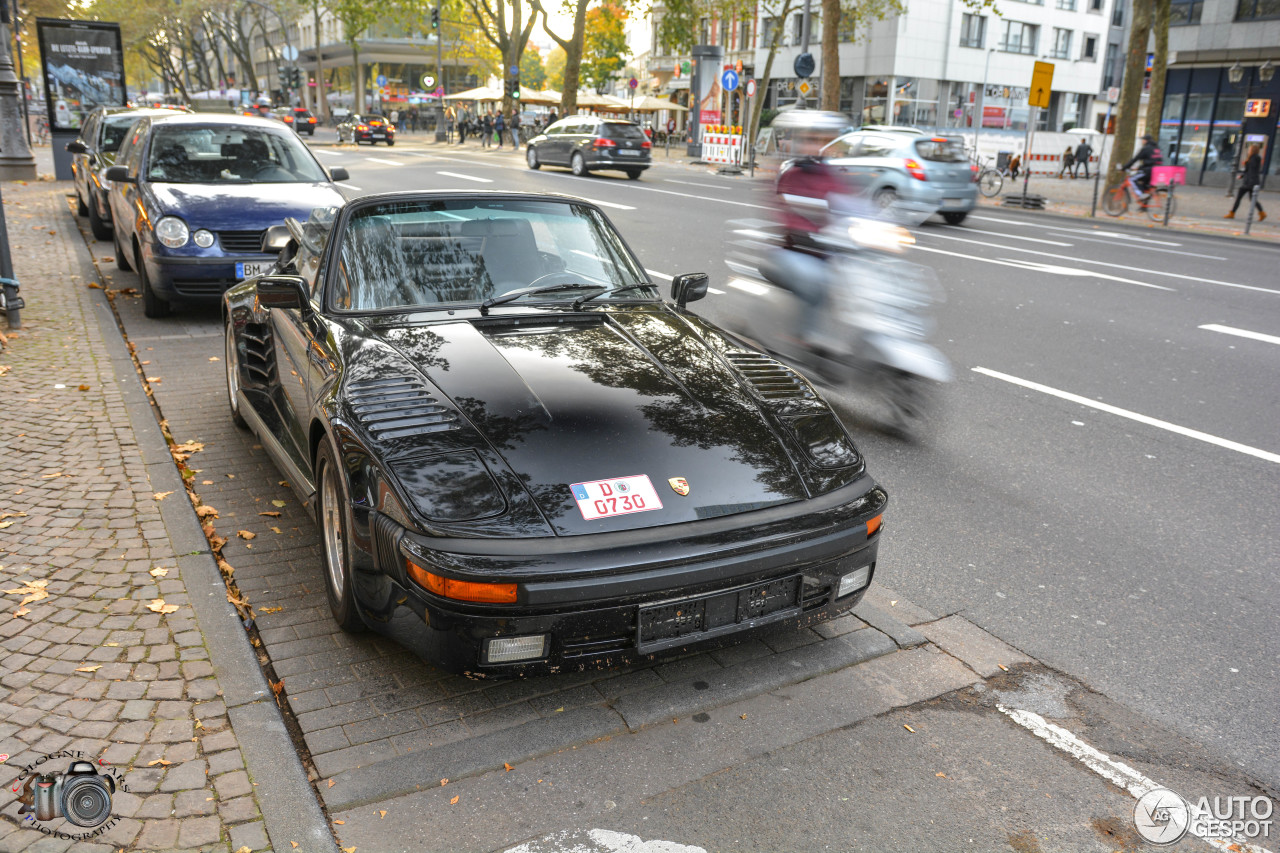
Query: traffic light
[(295, 77), (282, 74), (435, 18), (515, 88)]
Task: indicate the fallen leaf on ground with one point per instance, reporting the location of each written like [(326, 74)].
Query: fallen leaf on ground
[(21, 611), (277, 530), (214, 358), (271, 514), (908, 728), (246, 534), (226, 568), (161, 495), (4, 515), (744, 716), (30, 591), (206, 512), (4, 524), (112, 645), (507, 767), (84, 387), (284, 483), (189, 447), (278, 503), (52, 476), (270, 609), (893, 603), (158, 606), (330, 783), (244, 850), (382, 813), (199, 725), (108, 259), (206, 482), (163, 762), (454, 801), (294, 843), (93, 668), (94, 285), (277, 687), (349, 849), (940, 775), (155, 379)]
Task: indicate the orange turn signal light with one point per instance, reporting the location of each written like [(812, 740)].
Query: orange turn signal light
[(483, 593), (873, 524)]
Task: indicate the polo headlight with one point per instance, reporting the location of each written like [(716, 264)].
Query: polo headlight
[(203, 238), (173, 232)]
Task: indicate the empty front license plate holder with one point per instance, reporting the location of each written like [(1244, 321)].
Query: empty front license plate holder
[(674, 622)]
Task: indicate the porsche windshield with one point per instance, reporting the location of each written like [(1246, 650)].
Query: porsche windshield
[(407, 254), (188, 154)]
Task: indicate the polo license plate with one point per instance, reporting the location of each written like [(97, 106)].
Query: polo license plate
[(616, 496), (248, 269)]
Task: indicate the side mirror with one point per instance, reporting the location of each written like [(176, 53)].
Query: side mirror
[(689, 287), (337, 173), (275, 239), (75, 146), (282, 291), (119, 174)]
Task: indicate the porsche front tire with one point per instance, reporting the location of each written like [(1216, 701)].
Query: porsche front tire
[(335, 539)]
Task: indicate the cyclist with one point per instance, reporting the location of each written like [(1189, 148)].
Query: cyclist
[(1149, 156)]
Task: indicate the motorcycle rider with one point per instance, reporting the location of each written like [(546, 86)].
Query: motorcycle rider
[(1149, 156), (808, 191)]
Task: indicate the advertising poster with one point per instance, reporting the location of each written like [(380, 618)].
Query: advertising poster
[(83, 66)]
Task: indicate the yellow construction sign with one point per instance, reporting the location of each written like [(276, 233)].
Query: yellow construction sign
[(1041, 85)]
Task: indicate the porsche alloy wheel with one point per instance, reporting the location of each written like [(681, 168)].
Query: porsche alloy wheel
[(531, 157), (335, 524), (578, 165), (232, 357)]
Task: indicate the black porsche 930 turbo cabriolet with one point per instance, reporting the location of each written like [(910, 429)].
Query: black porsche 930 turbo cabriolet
[(521, 458)]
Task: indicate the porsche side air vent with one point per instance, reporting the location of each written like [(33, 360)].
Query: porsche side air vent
[(259, 354), (770, 379), (395, 408)]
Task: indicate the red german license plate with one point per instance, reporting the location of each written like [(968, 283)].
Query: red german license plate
[(615, 496)]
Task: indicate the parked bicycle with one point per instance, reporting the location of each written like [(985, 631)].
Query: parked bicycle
[(990, 179), (1117, 199)]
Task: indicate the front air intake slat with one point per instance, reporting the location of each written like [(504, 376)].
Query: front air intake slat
[(769, 379), (398, 408)]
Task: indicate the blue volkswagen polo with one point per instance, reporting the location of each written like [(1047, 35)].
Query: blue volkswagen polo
[(192, 195)]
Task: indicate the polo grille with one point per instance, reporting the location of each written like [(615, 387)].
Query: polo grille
[(241, 241), (395, 408), (769, 379)]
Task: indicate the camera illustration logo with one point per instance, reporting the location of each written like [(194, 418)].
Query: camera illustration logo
[(80, 794), (1161, 816)]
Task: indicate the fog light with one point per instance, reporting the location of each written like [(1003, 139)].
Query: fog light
[(203, 238), (854, 581), (509, 649)]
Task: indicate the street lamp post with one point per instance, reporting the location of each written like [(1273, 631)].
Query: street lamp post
[(16, 162), (982, 100)]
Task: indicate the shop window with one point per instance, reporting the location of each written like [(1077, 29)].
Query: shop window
[(1061, 43), (1253, 10), (1019, 38), (1090, 51), (973, 31), (1066, 5), (1185, 13)]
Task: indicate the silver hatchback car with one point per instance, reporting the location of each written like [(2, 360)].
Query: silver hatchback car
[(906, 172)]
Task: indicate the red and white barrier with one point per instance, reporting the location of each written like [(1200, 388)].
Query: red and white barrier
[(721, 146)]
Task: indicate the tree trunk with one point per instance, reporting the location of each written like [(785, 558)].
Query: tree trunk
[(1130, 91), (322, 97), (1159, 66), (831, 55), (357, 79), (573, 60)]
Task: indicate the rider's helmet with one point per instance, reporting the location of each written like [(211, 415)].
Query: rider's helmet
[(1146, 137), (809, 131)]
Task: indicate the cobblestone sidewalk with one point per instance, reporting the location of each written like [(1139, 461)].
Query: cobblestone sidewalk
[(102, 651)]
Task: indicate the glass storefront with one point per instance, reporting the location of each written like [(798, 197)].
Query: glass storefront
[(1203, 125)]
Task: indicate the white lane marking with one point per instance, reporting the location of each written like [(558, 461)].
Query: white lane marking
[(1117, 235), (1116, 772), (715, 291), (607, 203), (331, 153), (416, 153), (384, 162), (466, 177), (599, 841), (696, 184), (1079, 260), (1243, 333), (1061, 232), (660, 275), (1044, 268), (1265, 455), (1008, 236), (352, 187)]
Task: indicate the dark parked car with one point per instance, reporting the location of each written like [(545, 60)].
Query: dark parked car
[(590, 144), (520, 457), (300, 119), (370, 127), (192, 195), (101, 135), (906, 172)]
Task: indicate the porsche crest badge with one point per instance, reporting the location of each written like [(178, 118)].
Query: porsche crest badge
[(679, 485)]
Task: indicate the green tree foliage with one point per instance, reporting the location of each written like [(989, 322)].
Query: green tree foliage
[(570, 70), (605, 46), (355, 16), (504, 24), (533, 75), (555, 68)]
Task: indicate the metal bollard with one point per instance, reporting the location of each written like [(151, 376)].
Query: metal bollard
[(12, 302)]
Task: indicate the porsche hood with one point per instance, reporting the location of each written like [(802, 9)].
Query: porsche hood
[(571, 399)]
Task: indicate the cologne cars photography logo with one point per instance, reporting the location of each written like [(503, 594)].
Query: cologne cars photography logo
[(68, 786), (1161, 816)]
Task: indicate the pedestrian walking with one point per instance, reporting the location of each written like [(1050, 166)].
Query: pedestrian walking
[(413, 119), (552, 118), (1015, 162), (1083, 152), (395, 119), (1250, 177), (486, 131), (1068, 162), (462, 126), (499, 127), (449, 118)]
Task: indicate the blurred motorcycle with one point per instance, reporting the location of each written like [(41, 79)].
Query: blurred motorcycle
[(872, 327)]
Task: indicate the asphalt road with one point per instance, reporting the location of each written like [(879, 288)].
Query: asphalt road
[(1134, 547)]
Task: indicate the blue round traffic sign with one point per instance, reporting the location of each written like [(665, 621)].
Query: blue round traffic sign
[(382, 80), (729, 80)]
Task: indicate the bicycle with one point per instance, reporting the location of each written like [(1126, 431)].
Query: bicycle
[(1116, 201), (990, 180)]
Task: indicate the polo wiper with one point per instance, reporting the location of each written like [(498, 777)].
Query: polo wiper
[(513, 295), (577, 303)]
